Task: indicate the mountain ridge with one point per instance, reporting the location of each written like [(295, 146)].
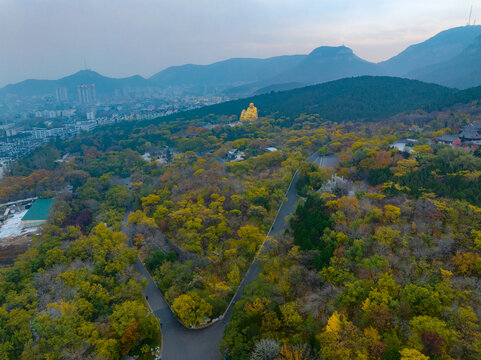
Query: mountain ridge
[(369, 97), (103, 84), (462, 71), (252, 67), (238, 77), (323, 64), (438, 48)]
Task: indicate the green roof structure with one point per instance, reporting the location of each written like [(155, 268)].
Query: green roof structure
[(39, 210)]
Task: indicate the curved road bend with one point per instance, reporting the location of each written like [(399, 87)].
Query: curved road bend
[(181, 343)]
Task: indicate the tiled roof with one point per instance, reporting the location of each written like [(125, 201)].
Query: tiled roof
[(448, 138), (470, 134)]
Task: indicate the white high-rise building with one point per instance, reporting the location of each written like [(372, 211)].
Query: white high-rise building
[(62, 93), (86, 93)]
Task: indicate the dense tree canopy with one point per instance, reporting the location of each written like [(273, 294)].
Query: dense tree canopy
[(381, 261)]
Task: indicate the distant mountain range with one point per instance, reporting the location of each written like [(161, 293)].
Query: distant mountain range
[(321, 65), (441, 47), (451, 58), (103, 85), (461, 71), (225, 73)]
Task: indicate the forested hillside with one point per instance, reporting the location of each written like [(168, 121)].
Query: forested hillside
[(360, 98), (75, 293), (381, 262), (381, 259)]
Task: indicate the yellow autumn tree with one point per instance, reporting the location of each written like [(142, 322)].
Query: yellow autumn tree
[(191, 309), (412, 354), (290, 315), (404, 167), (341, 339), (391, 214)]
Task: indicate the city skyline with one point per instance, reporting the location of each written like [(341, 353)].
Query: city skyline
[(50, 39)]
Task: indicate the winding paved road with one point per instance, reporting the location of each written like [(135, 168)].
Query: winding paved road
[(181, 343)]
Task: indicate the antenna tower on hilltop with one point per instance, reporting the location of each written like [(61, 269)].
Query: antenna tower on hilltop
[(470, 14)]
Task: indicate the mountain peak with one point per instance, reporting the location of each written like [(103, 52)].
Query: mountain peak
[(326, 63), (461, 71), (329, 51), (86, 71), (85, 74), (464, 34), (442, 47)]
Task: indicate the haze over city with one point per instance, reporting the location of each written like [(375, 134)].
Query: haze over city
[(49, 39)]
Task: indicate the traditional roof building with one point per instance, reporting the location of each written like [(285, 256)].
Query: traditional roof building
[(471, 132), (404, 145), (448, 139), (469, 137)]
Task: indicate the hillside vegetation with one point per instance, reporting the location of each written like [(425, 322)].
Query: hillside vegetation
[(361, 98), (380, 262)]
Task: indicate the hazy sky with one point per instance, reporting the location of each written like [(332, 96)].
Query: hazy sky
[(51, 38)]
